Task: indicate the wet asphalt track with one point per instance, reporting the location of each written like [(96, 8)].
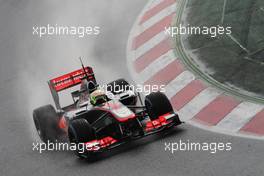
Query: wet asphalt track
[(27, 62)]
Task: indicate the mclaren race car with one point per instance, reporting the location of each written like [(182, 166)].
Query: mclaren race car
[(101, 119)]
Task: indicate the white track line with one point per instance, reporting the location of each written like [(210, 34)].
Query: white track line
[(150, 44), (156, 18), (156, 66), (237, 118), (179, 83), (153, 4), (198, 103)]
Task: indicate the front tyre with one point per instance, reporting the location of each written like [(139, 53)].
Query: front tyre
[(79, 132), (157, 104)]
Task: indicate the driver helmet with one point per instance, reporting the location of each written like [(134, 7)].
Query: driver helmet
[(98, 97)]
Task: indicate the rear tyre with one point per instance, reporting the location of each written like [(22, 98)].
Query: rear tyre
[(80, 131), (157, 104), (46, 121)]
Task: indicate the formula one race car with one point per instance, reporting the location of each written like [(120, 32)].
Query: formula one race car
[(102, 120)]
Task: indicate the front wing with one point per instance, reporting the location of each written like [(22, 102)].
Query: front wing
[(164, 122)]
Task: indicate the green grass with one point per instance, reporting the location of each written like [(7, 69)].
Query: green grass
[(230, 63)]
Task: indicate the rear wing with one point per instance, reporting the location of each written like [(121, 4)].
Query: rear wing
[(69, 80)]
